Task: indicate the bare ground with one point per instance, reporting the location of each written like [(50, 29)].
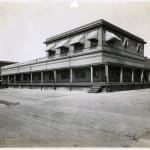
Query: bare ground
[(48, 118)]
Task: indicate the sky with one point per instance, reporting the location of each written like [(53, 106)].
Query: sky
[(25, 24)]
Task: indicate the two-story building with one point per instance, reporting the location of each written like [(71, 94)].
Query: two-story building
[(98, 55)]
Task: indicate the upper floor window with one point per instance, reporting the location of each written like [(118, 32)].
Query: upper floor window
[(93, 38), (64, 50), (94, 43), (63, 45), (51, 49), (111, 37), (139, 47), (126, 42), (78, 46), (51, 53), (77, 42)]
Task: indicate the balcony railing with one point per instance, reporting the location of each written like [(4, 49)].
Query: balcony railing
[(27, 62), (43, 59)]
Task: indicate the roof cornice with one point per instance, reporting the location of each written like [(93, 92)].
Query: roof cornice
[(92, 25)]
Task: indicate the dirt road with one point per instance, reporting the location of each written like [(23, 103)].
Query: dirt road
[(61, 118)]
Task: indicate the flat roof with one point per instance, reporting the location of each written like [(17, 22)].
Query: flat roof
[(97, 23)]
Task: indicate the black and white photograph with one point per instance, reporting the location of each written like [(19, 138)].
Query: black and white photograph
[(74, 74)]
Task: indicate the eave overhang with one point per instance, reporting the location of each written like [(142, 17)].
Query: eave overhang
[(92, 25)]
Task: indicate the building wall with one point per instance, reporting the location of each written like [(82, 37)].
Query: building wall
[(132, 44), (4, 63), (147, 63), (122, 60)]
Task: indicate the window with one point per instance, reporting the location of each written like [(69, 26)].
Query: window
[(62, 43), (95, 73), (94, 42), (127, 73), (51, 53), (78, 46), (64, 50), (37, 76), (65, 74), (145, 76), (77, 42), (139, 47), (111, 38), (125, 42), (137, 75), (51, 75), (92, 36), (114, 74), (51, 46), (80, 73)]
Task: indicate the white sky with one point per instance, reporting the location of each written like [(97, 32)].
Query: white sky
[(25, 24)]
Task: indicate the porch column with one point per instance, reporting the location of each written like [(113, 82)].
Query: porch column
[(132, 75), (21, 78), (55, 76), (149, 76), (8, 79), (91, 74), (121, 74), (14, 78), (42, 77), (31, 75), (107, 73), (142, 75), (71, 75)]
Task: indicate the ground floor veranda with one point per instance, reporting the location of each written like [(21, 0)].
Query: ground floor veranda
[(81, 76)]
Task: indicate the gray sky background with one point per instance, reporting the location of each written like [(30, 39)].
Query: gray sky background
[(25, 24)]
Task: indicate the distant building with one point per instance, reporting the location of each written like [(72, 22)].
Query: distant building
[(4, 63), (98, 55)]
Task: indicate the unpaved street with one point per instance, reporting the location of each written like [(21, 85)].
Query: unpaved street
[(46, 118)]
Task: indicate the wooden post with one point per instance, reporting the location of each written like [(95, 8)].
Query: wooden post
[(132, 75), (31, 75), (8, 79), (91, 74), (55, 79), (121, 74), (107, 73), (101, 37), (70, 79), (70, 75), (21, 78), (14, 79), (42, 77), (55, 76), (149, 76), (142, 73)]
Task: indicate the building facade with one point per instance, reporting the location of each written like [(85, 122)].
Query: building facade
[(98, 55), (4, 63)]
